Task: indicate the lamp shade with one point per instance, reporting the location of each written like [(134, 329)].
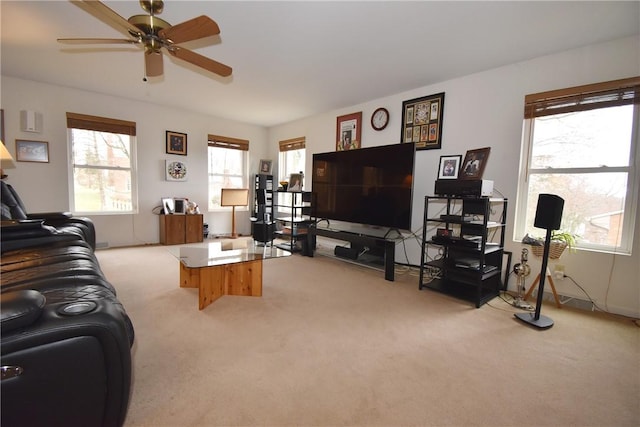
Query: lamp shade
[(6, 157), (234, 197)]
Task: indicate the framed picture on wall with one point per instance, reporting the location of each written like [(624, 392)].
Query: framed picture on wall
[(265, 167), (32, 151), (176, 143), (422, 121), (349, 131), (175, 170)]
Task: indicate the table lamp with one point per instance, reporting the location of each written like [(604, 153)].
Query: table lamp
[(234, 197), (6, 158)]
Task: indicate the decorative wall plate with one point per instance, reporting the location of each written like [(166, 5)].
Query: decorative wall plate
[(175, 170)]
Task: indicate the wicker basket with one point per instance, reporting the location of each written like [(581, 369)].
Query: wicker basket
[(555, 250)]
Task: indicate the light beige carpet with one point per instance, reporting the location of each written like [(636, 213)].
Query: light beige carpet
[(333, 344)]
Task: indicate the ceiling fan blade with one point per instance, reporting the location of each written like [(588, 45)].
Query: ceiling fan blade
[(201, 61), (107, 15), (153, 66), (193, 29), (97, 41)]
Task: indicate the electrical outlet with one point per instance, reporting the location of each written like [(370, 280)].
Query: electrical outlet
[(559, 272)]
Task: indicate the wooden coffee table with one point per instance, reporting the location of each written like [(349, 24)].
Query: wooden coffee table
[(223, 268)]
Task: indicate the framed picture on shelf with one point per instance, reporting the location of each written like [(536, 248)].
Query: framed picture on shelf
[(295, 182), (422, 121), (176, 143), (265, 167), (449, 167), (474, 163), (32, 151), (167, 205), (180, 206), (349, 131)]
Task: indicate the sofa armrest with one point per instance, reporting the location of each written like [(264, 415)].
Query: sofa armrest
[(20, 308), (50, 215), (24, 229)]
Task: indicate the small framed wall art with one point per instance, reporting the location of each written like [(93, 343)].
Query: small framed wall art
[(32, 151), (474, 163), (176, 143), (449, 167), (265, 167), (175, 170), (422, 121), (349, 131)]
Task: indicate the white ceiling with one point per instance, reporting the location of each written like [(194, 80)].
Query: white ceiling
[(298, 58)]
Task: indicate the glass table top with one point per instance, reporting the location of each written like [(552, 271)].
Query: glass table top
[(215, 253)]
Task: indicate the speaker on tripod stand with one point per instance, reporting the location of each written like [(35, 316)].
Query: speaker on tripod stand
[(549, 217)]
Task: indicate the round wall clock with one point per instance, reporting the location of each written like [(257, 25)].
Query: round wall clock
[(176, 171), (380, 118)]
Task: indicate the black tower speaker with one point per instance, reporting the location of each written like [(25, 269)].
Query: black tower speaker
[(549, 211), (548, 216)]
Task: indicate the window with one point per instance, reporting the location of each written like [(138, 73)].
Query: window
[(580, 144), (227, 166), (291, 158), (103, 158)]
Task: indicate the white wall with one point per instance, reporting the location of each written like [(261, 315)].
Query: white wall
[(43, 187), (486, 109)]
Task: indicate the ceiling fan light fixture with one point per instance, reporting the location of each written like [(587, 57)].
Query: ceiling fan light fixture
[(154, 34), (153, 65)]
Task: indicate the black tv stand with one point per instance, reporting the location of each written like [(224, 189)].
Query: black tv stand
[(385, 246)]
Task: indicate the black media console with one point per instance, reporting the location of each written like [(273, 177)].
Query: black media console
[(386, 247)]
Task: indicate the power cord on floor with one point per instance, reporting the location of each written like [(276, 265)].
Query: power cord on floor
[(510, 301), (596, 307), (507, 298)]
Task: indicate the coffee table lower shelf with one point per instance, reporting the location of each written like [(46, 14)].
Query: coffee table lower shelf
[(212, 282)]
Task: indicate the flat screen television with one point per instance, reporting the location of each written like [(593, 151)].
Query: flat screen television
[(371, 186)]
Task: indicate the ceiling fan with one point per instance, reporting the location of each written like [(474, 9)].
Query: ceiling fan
[(153, 34)]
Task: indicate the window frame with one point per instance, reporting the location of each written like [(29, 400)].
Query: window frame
[(225, 142), (576, 99), (285, 146), (103, 125)]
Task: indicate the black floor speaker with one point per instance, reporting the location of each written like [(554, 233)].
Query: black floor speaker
[(549, 212), (549, 217)]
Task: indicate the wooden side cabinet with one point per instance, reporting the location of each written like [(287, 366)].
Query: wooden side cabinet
[(179, 229)]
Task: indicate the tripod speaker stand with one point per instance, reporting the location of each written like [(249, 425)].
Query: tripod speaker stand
[(548, 216), (553, 288)]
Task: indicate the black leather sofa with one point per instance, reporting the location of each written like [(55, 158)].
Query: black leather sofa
[(65, 350)]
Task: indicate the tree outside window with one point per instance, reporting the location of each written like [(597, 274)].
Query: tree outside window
[(103, 166), (581, 149)]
